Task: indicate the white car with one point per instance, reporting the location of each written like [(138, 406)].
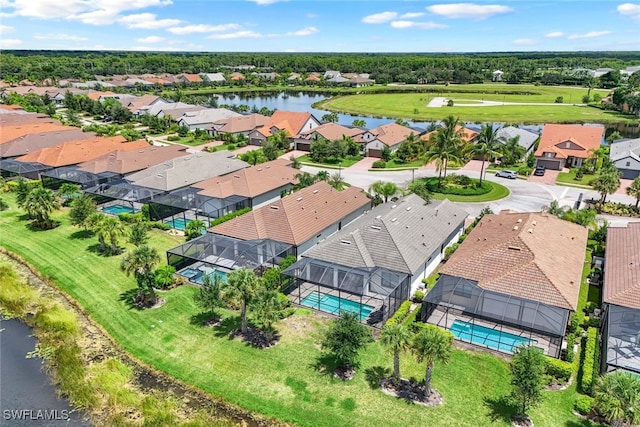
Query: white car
[(507, 174)]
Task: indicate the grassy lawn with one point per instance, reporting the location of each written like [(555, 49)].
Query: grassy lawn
[(189, 140), (414, 106), (282, 382), (394, 163), (345, 163), (570, 178), (498, 191)]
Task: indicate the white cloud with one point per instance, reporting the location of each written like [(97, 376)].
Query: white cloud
[(4, 29), (379, 18), (630, 9), (203, 28), (469, 10), (524, 42), (411, 15), (589, 35), (147, 21), (412, 24), (554, 34), (6, 43), (150, 39), (303, 32), (60, 36), (95, 12), (245, 34)]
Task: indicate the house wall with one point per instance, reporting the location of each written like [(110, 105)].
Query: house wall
[(256, 138), (629, 167), (269, 197), (311, 123)]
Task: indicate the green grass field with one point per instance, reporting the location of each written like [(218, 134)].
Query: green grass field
[(282, 382), (344, 163), (569, 178), (498, 191)]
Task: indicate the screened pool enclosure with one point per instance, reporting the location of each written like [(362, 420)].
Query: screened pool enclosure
[(53, 179), (374, 294), (622, 334), (494, 320), (30, 170), (224, 254)]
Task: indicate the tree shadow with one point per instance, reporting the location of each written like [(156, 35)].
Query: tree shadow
[(81, 234), (227, 326), (128, 297), (200, 318), (325, 364), (375, 374), (33, 226), (95, 248), (500, 408)]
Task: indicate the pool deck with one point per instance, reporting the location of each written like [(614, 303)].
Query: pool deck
[(203, 268), (441, 318)]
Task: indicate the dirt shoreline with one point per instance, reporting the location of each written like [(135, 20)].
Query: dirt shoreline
[(97, 345)]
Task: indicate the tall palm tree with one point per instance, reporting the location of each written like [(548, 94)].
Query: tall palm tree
[(431, 345), (485, 147), (112, 229), (384, 189), (266, 309), (141, 263), (444, 146), (396, 339), (633, 190), (22, 191), (94, 223), (617, 397), (512, 151), (607, 183), (242, 285), (40, 202)]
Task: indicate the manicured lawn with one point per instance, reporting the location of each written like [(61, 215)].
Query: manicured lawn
[(570, 178), (345, 163), (497, 192), (189, 140), (393, 163), (283, 381)]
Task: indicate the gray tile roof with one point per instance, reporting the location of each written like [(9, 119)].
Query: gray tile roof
[(526, 138), (184, 171), (207, 116), (625, 148), (399, 236)]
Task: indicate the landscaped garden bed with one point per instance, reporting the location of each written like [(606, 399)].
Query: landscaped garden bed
[(460, 188)]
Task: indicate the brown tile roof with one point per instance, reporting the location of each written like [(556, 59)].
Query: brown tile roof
[(97, 94), (237, 76), (290, 121), (529, 255), (37, 141), (467, 134), (250, 182), (127, 161), (10, 107), (192, 78), (392, 133), (554, 136), (20, 118), (241, 123), (72, 153), (157, 80), (142, 101), (9, 133), (622, 266), (331, 131), (296, 218)]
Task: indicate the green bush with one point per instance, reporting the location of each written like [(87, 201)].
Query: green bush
[(558, 370), (574, 323), (173, 138), (571, 342), (462, 237), (229, 216), (583, 404), (559, 100), (412, 318), (418, 296), (379, 164), (130, 218), (160, 225), (11, 186), (450, 250), (524, 170), (589, 368), (593, 322), (459, 185), (400, 314)]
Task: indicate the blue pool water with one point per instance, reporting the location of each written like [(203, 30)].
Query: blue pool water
[(178, 223), (487, 337), (118, 209), (334, 305), (196, 275)]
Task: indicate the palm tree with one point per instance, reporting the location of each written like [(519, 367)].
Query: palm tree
[(141, 263), (280, 139), (431, 345), (633, 190), (336, 181), (241, 286), (209, 297), (112, 229), (512, 151), (94, 223), (40, 202), (194, 229), (384, 189), (607, 183), (138, 234), (68, 191), (266, 310), (485, 146), (617, 397), (22, 191), (305, 179), (322, 176), (444, 146), (555, 209), (295, 162), (359, 123), (164, 276), (396, 338)]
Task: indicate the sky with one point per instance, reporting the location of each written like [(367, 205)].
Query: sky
[(319, 25)]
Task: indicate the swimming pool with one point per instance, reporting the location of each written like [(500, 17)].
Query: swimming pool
[(178, 223), (487, 337), (196, 275), (334, 305), (118, 209)]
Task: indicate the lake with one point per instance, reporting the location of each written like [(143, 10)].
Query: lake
[(28, 398)]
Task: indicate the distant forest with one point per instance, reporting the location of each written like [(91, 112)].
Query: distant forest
[(520, 67)]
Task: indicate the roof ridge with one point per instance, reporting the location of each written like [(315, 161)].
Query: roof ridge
[(393, 240), (362, 248)]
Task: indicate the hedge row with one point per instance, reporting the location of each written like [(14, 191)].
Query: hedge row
[(589, 371), (229, 216), (571, 342), (400, 314), (559, 370), (413, 318), (12, 186)]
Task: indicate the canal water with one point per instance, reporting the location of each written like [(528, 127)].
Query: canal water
[(27, 397)]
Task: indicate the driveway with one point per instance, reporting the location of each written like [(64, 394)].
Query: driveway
[(624, 184), (246, 148), (294, 153), (363, 165), (549, 177)]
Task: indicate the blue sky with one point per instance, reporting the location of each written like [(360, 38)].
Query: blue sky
[(319, 26)]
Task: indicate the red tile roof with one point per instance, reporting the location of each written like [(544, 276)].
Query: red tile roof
[(622, 266), (392, 133), (192, 78), (9, 133), (289, 121), (127, 161), (583, 138), (536, 256)]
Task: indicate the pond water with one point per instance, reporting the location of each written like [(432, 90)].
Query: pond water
[(27, 397), (302, 101)]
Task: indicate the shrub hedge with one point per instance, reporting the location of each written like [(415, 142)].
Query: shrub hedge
[(589, 368), (460, 185), (229, 216), (11, 186), (559, 370), (583, 404), (379, 164), (571, 342), (418, 296), (400, 314)]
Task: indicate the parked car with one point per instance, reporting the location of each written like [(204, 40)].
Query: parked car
[(507, 174), (539, 171)]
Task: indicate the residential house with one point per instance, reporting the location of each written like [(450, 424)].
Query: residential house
[(173, 109), (237, 125), (237, 76), (190, 78), (294, 77), (625, 154), (330, 131), (567, 146), (630, 70), (360, 81), (496, 76), (214, 78), (526, 139), (35, 141), (621, 298), (141, 104), (514, 281), (337, 80), (467, 135), (599, 72), (266, 76), (390, 135), (13, 132), (291, 122), (312, 79), (204, 119), (301, 219), (380, 258), (330, 74)]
